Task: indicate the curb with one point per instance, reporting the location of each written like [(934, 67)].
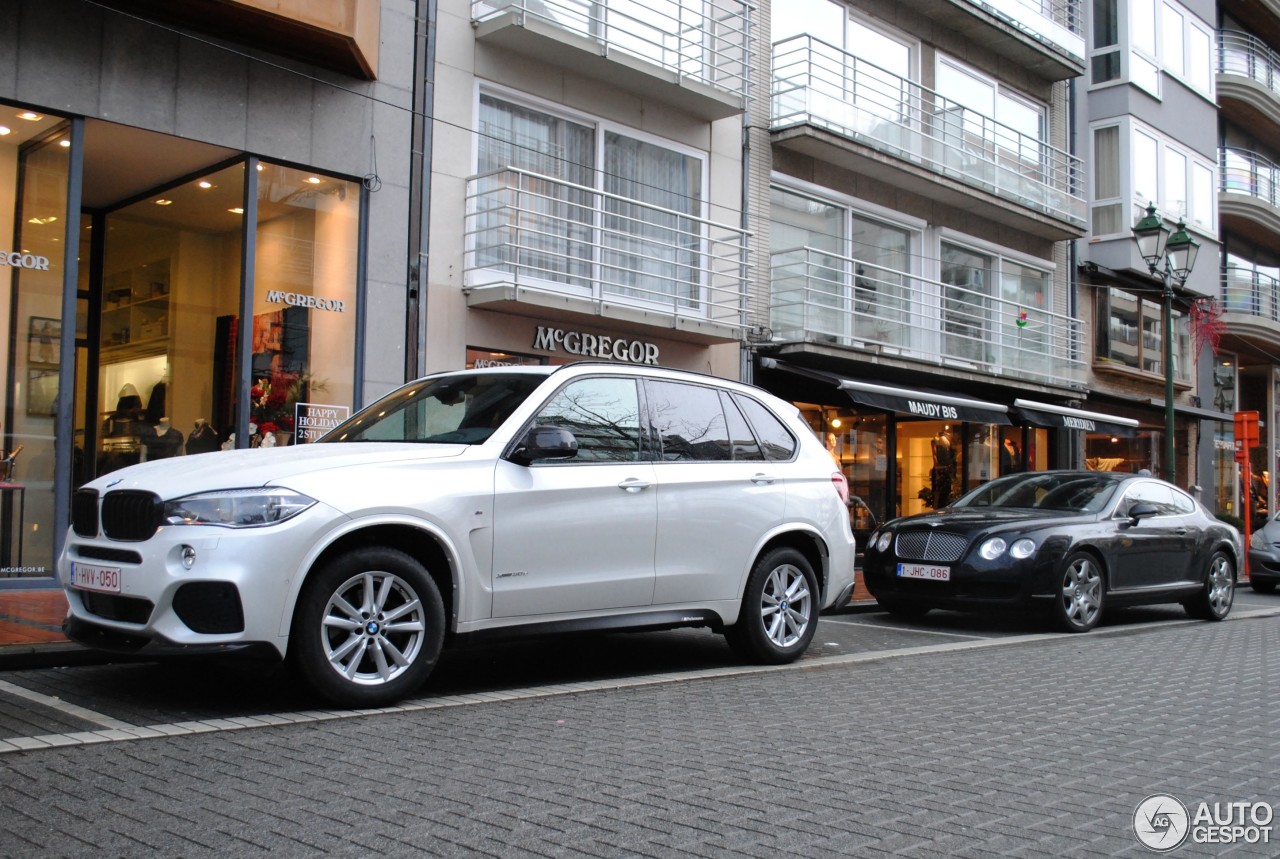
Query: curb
[(62, 654)]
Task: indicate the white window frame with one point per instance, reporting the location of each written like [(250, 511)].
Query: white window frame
[(1183, 71), (600, 127), (1137, 203)]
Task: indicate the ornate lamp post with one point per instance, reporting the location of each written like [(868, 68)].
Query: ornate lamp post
[(1170, 258)]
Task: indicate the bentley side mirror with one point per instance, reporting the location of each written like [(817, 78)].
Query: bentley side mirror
[(1141, 511)]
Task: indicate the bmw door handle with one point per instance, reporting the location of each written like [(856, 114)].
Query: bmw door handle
[(762, 479), (633, 484)]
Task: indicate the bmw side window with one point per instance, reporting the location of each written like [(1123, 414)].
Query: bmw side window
[(779, 443), (745, 446), (604, 416), (688, 422)]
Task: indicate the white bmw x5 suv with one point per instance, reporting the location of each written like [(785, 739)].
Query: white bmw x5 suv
[(468, 504)]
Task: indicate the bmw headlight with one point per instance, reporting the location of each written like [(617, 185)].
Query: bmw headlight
[(992, 548), (237, 508)]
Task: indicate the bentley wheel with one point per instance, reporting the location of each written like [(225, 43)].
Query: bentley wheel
[(1213, 602), (779, 609), (368, 628), (1080, 595)]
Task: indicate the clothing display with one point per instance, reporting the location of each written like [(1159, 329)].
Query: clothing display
[(161, 441), (203, 438)]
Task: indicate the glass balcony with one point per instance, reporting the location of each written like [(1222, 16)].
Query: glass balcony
[(1252, 293), (820, 297), (1058, 22), (702, 48), (1245, 55), (1251, 174), (820, 86), (537, 239)]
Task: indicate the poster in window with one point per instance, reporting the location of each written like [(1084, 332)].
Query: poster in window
[(42, 340), (42, 392)]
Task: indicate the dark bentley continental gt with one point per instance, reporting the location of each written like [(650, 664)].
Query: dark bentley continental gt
[(1072, 543)]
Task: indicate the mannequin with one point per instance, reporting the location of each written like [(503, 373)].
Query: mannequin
[(161, 440), (203, 438), (943, 462), (1010, 457)]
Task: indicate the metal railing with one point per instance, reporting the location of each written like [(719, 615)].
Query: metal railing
[(1060, 22), (1248, 56), (703, 40), (1251, 292), (820, 85), (543, 233), (1245, 172), (820, 297)]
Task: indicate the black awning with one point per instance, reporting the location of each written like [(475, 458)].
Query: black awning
[(1061, 417), (916, 402), (925, 404)]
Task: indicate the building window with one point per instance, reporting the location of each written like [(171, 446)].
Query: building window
[(631, 228), (1104, 60), (1180, 182), (1130, 333), (1107, 208)]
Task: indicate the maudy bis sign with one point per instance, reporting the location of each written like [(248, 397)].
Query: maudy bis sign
[(595, 346)]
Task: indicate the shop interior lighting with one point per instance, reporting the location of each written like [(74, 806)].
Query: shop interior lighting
[(40, 222), (314, 180), (29, 116), (163, 202), (236, 210), (205, 184), (4, 129)]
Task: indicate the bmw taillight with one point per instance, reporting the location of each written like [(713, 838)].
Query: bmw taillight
[(842, 486)]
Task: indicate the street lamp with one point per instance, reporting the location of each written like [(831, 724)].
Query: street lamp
[(1170, 258)]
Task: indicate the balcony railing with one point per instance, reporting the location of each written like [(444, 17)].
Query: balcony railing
[(1248, 56), (1245, 172), (819, 297), (707, 41), (554, 237), (823, 86), (1251, 292), (1059, 22)]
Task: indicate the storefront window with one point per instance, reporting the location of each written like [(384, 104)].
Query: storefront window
[(1106, 452), (170, 293), (33, 223), (931, 465), (304, 303)]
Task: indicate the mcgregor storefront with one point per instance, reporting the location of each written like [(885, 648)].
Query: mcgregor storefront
[(146, 317)]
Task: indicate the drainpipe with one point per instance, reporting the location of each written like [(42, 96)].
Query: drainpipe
[(424, 70)]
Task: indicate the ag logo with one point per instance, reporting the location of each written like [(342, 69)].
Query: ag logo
[(1161, 822)]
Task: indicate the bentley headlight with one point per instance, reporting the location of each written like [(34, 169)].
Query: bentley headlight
[(1023, 548), (237, 508), (992, 548), (883, 541)]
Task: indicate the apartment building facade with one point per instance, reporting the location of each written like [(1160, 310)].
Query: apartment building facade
[(1147, 116), (1247, 366), (915, 161)]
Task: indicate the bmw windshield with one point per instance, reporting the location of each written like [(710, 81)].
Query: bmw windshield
[(458, 409)]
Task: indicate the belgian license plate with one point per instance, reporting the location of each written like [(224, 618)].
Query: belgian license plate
[(91, 577), (924, 571)]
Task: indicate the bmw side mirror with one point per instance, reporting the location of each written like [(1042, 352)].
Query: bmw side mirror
[(545, 443), (1142, 510)]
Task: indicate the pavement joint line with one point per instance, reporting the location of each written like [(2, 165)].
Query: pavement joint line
[(869, 625), (122, 731), (64, 707)]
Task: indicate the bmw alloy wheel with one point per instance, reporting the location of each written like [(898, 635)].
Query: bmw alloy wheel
[(373, 627), (786, 606)]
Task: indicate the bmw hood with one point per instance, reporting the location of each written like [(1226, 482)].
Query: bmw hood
[(236, 469)]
